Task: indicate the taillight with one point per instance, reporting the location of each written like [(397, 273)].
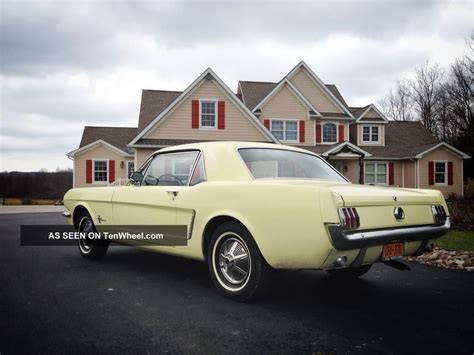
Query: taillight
[(439, 213), (349, 217)]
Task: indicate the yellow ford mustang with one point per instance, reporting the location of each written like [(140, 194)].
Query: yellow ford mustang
[(251, 208)]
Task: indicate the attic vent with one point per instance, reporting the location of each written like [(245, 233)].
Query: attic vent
[(209, 76)]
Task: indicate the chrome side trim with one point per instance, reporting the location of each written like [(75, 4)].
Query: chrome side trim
[(346, 240), (66, 214)]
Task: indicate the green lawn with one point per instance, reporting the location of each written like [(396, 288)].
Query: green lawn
[(456, 240)]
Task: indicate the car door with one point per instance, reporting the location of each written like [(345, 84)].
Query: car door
[(153, 202)]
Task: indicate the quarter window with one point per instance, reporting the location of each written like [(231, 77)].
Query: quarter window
[(329, 133), (285, 130), (440, 172), (208, 114), (375, 173), (100, 170), (370, 133)]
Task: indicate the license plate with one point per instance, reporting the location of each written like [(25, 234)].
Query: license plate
[(393, 251)]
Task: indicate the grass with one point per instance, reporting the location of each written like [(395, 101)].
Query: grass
[(456, 240)]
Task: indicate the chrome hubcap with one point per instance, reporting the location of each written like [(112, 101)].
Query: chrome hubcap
[(234, 261), (85, 226)]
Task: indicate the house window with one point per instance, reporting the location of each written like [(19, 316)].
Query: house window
[(208, 114), (370, 133), (375, 173), (285, 130), (130, 167), (100, 170), (440, 172), (329, 133)]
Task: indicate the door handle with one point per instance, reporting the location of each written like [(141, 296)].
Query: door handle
[(173, 193)]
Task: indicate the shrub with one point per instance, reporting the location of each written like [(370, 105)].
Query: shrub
[(462, 208)]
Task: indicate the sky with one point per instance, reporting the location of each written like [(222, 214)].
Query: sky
[(67, 64)]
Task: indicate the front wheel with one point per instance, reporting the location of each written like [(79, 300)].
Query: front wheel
[(350, 273), (236, 265), (90, 248)]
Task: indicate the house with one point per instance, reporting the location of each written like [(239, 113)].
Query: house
[(299, 110)]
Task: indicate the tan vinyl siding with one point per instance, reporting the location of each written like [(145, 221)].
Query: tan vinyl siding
[(410, 174), (178, 124), (313, 93), (284, 105), (381, 133), (372, 114), (353, 171), (442, 154), (98, 152), (142, 154)]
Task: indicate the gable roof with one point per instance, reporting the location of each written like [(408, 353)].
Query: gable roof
[(299, 96), (118, 137), (317, 81), (115, 138), (208, 74), (253, 92), (152, 104), (365, 110)]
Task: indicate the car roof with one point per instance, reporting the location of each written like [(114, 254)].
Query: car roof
[(230, 145)]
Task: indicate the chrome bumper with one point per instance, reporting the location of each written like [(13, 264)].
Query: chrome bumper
[(66, 214), (346, 239)]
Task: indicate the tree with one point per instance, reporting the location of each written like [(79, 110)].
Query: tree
[(426, 89), (398, 103)]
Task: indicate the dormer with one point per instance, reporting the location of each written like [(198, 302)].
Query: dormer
[(369, 127)]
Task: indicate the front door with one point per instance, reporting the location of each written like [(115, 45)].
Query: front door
[(154, 201)]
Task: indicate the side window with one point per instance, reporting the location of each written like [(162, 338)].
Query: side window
[(199, 174), (172, 169)]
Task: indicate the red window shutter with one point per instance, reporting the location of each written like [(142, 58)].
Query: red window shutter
[(88, 171), (318, 133), (391, 174), (450, 173), (111, 171), (431, 172), (302, 132), (341, 133), (195, 114), (221, 115), (266, 123)]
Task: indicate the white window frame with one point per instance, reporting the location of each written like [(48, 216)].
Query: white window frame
[(284, 120), (376, 163), (445, 162), (128, 162), (322, 132), (107, 172), (370, 141), (215, 101)]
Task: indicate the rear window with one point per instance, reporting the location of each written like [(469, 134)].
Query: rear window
[(266, 163)]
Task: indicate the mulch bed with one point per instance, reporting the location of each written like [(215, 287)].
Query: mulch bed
[(461, 260)]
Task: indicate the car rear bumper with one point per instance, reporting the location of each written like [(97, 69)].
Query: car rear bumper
[(347, 240)]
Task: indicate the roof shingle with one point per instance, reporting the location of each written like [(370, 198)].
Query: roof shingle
[(119, 137), (152, 104)]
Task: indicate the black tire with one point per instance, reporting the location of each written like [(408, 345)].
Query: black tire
[(90, 249), (350, 273), (232, 240)]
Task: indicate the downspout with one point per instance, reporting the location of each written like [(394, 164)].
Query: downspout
[(73, 171)]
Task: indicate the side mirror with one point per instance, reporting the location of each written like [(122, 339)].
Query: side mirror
[(151, 180), (136, 177)]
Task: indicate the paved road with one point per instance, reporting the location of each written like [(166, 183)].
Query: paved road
[(52, 300)]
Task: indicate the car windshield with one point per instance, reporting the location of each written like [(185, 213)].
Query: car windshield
[(265, 163)]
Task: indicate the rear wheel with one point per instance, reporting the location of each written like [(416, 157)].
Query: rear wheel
[(236, 265), (350, 273), (92, 249)]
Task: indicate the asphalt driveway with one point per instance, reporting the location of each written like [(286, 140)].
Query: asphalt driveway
[(53, 300)]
